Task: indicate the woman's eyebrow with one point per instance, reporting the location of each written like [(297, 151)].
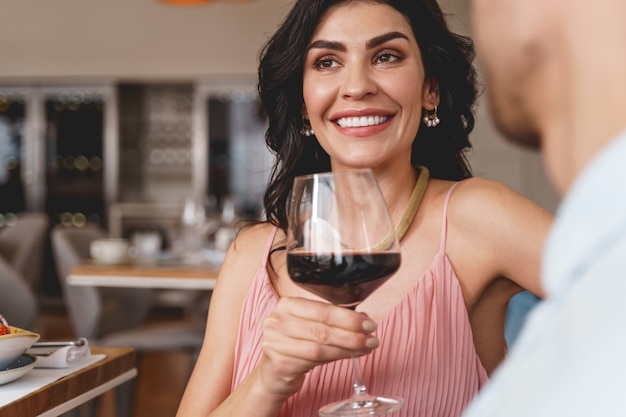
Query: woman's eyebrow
[(322, 44), (379, 40), (372, 43)]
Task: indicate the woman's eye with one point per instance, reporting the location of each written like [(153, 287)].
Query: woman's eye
[(325, 63), (387, 57)]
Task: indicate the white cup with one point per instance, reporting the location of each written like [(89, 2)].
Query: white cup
[(109, 251)]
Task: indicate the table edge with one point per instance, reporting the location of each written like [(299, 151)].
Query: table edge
[(56, 394)]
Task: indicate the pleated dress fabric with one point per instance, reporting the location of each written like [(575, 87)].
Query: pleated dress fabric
[(426, 354)]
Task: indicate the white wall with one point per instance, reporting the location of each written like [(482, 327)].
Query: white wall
[(133, 38), (146, 39)]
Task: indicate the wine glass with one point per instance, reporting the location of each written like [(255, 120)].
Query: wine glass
[(194, 222), (341, 245)]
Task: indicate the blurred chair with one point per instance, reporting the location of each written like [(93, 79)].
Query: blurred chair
[(114, 316), (18, 303), (94, 312), (22, 245)]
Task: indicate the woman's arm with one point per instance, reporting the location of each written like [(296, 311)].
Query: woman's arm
[(211, 379), (496, 240)]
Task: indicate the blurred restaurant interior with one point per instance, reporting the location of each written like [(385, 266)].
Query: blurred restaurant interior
[(112, 115)]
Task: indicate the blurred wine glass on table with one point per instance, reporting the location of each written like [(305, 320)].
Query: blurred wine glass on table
[(225, 233), (146, 247), (196, 222)]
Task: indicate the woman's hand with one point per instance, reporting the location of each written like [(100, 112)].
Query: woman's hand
[(301, 334)]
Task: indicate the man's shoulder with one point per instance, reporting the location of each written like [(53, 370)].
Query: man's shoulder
[(570, 357)]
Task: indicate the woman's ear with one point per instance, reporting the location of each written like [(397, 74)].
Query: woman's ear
[(430, 97)]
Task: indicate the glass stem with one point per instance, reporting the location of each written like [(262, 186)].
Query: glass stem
[(359, 388)]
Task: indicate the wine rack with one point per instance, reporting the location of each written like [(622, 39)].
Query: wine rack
[(74, 143), (13, 105)]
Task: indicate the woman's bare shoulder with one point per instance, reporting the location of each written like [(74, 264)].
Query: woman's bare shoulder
[(483, 201), (243, 259), (482, 188), (252, 236), (248, 249), (469, 198)]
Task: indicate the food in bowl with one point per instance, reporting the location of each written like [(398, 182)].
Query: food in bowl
[(4, 326), (14, 343)]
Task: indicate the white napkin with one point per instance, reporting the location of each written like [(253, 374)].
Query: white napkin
[(61, 355)]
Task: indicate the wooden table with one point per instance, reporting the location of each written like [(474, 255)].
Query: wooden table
[(76, 388), (134, 276)]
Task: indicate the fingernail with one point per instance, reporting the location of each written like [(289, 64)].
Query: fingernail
[(369, 325), (372, 343)]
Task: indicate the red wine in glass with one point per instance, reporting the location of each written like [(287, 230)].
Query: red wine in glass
[(345, 278)]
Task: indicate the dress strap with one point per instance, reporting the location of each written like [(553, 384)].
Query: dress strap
[(444, 219), (268, 246)]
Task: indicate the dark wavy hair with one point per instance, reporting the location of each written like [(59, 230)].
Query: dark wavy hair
[(447, 57)]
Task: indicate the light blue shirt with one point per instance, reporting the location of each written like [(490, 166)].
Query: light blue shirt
[(570, 359)]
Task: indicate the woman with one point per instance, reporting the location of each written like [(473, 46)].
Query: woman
[(385, 85)]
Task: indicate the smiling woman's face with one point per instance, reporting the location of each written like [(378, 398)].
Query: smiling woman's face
[(364, 85)]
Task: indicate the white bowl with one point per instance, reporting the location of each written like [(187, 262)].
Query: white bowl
[(14, 344), (18, 368)]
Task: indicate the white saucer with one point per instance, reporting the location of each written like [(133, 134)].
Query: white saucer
[(18, 368)]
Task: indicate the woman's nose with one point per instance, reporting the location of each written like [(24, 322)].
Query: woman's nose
[(358, 82)]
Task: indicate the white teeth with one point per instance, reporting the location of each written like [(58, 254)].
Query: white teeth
[(361, 121)]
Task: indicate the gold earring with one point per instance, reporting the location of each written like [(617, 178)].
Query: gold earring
[(306, 130), (431, 119)]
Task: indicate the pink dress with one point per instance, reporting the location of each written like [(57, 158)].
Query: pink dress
[(426, 354)]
